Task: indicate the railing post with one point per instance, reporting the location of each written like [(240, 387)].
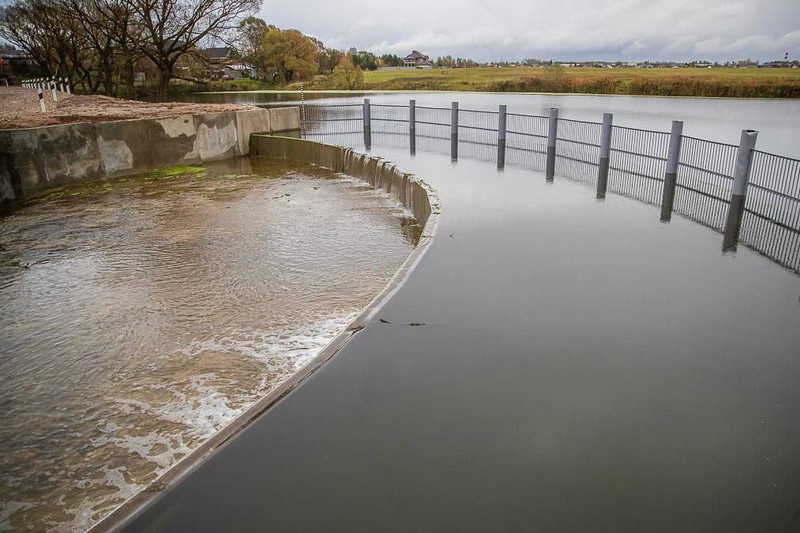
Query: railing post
[(302, 111), (53, 87), (412, 126), (41, 101), (671, 174), (501, 137), (552, 132), (454, 132), (66, 84), (367, 125), (741, 177), (605, 155)]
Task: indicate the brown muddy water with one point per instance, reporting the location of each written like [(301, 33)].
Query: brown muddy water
[(138, 316)]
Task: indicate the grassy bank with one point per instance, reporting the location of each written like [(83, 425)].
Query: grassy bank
[(746, 83)]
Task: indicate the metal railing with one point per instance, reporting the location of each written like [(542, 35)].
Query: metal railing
[(751, 196)]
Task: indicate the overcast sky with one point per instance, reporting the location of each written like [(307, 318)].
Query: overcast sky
[(717, 30)]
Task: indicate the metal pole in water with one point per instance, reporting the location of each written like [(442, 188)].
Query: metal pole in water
[(367, 125), (741, 177), (552, 131), (412, 126), (41, 101), (605, 155), (454, 132), (671, 174), (501, 138), (302, 110)]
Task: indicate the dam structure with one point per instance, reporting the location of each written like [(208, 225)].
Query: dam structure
[(558, 358)]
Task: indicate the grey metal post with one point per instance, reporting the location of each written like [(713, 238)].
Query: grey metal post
[(671, 175), (605, 155), (552, 131), (412, 126), (454, 132), (302, 111), (501, 137), (367, 125), (741, 176)]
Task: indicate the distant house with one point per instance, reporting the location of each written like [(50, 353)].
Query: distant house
[(225, 63), (417, 60), (15, 62), (220, 55)]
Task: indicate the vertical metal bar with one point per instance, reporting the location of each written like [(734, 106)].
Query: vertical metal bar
[(741, 176), (302, 111), (367, 125), (605, 155), (412, 125), (454, 132), (552, 131), (501, 137), (671, 174)]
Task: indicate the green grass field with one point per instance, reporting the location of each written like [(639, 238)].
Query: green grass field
[(764, 82)]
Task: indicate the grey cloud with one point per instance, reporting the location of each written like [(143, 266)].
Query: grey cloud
[(564, 29)]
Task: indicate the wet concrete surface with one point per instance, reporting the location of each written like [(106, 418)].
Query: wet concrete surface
[(554, 363)]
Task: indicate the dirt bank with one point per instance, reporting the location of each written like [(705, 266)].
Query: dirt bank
[(19, 108)]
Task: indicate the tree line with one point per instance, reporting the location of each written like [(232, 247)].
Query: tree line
[(101, 45)]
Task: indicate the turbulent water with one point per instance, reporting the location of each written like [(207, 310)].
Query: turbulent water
[(138, 316)]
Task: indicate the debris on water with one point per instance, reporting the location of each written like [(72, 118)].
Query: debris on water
[(156, 486), (415, 324), (385, 321)]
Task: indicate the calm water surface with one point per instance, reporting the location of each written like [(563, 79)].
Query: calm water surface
[(715, 119), (139, 316)]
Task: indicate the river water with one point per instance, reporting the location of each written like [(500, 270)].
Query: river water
[(714, 119), (138, 316)]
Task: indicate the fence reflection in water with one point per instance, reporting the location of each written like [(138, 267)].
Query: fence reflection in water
[(639, 160)]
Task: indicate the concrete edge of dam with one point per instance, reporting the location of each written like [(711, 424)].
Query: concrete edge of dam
[(35, 159)]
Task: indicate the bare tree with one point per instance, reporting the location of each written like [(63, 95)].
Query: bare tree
[(90, 39), (36, 26), (116, 17), (172, 29)]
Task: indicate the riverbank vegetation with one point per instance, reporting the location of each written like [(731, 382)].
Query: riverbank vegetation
[(717, 82)]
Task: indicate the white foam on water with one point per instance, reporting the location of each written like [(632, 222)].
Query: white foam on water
[(285, 350), (198, 406), (83, 513)]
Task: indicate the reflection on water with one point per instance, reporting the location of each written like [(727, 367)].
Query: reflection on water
[(715, 119), (139, 316)]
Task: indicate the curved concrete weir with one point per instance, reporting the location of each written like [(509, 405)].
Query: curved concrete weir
[(554, 363)]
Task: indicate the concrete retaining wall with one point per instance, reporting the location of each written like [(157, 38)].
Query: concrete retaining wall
[(35, 158), (413, 193)]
